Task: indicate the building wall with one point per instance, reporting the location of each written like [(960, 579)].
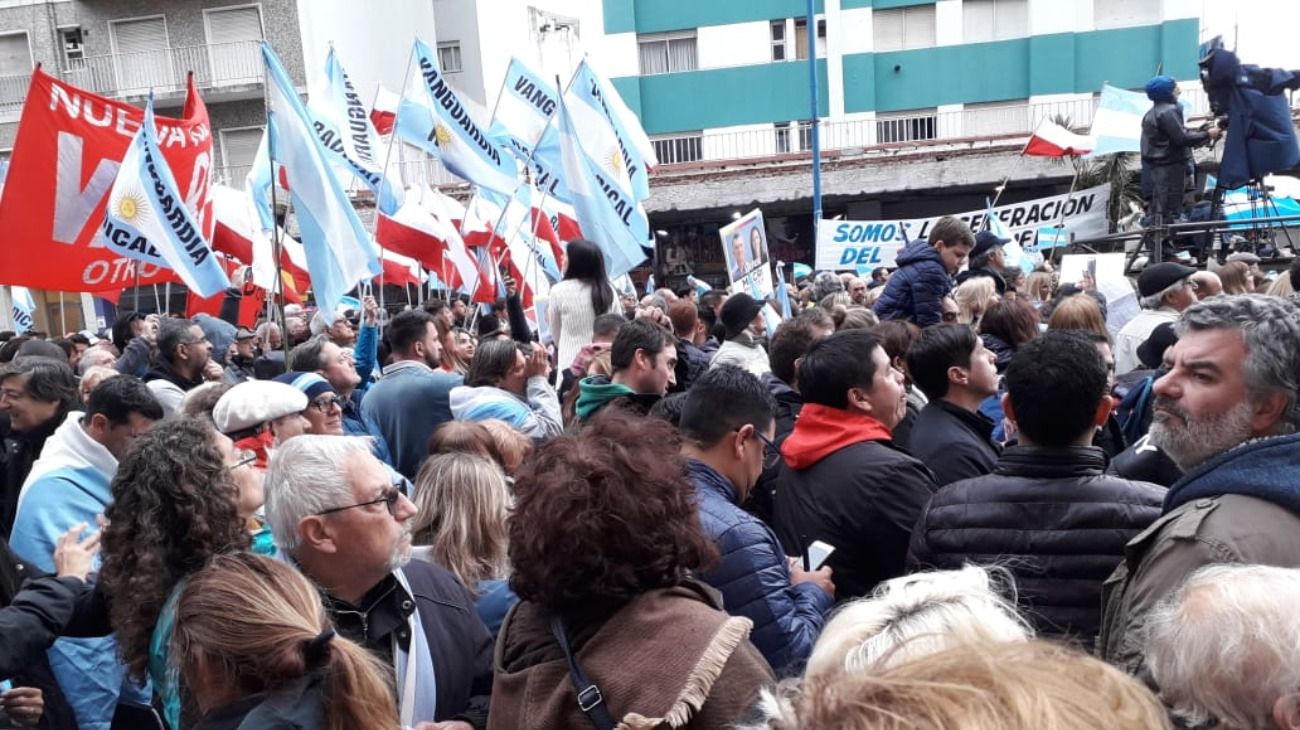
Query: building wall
[(1063, 57)]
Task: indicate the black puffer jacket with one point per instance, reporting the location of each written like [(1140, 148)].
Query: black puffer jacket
[(1051, 516)]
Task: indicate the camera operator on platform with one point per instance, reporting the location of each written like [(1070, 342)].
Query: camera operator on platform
[(1166, 148)]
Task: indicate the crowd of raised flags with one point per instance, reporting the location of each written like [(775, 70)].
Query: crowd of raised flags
[(546, 168)]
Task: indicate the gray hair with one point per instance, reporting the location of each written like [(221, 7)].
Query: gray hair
[(914, 616), (1223, 645), (94, 357), (306, 476), (307, 356), (1271, 330)]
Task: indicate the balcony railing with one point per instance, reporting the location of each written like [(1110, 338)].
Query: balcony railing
[(13, 89), (886, 130), (214, 65)]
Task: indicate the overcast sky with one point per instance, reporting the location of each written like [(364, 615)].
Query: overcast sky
[(1266, 30)]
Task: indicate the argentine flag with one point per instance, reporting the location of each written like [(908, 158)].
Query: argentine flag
[(340, 254), (523, 120), (24, 309), (146, 218), (1117, 124), (343, 126), (436, 120), (606, 211)]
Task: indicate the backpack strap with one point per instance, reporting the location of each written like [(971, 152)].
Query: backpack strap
[(590, 700)]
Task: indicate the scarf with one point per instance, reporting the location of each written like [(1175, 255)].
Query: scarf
[(417, 686)]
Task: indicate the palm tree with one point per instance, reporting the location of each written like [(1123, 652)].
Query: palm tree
[(1116, 170)]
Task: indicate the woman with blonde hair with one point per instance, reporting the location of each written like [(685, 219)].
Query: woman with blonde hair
[(462, 501), (1038, 288), (255, 648), (973, 297), (1032, 685), (1078, 312), (452, 360)]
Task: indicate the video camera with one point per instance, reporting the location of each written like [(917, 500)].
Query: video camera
[(1248, 105)]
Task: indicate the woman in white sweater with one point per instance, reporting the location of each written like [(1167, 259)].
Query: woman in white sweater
[(574, 303)]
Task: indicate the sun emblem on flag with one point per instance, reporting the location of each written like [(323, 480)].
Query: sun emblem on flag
[(130, 207), (615, 161), (441, 135)]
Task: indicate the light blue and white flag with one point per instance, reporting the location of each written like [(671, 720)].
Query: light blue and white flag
[(146, 218), (629, 123), (24, 309), (591, 103), (700, 287), (342, 124), (1050, 237), (606, 210), (782, 292), (802, 271), (434, 119), (1012, 251), (258, 183), (523, 120), (340, 254), (1117, 125)]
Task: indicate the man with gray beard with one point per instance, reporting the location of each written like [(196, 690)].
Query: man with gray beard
[(1227, 414), (340, 517)]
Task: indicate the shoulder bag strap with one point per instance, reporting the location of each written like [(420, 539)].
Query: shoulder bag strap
[(590, 700)]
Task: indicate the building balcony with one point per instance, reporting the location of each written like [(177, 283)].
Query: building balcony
[(230, 69)]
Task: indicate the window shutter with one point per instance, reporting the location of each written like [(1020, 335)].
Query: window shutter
[(15, 58), (239, 146), (143, 60)]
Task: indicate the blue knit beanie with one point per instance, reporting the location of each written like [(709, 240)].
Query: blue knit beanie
[(310, 383), (1161, 88)]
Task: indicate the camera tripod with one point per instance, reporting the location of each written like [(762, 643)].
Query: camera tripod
[(1262, 205)]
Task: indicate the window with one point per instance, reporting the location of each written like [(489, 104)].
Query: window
[(15, 55), (142, 60), (233, 36), (801, 38), (994, 20), (899, 29), (449, 57), (679, 148), (778, 40), (803, 141), (664, 54), (239, 146), (906, 127), (1125, 13), (71, 48)]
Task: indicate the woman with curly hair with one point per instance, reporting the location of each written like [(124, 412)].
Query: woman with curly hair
[(275, 662), (176, 503), (603, 538)]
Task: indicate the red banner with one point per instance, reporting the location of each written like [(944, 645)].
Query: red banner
[(69, 147)]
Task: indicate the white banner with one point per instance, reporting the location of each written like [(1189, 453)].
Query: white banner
[(864, 245)]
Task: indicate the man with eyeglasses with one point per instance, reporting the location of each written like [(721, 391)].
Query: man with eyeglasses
[(335, 512), (183, 356), (727, 425), (1166, 289)]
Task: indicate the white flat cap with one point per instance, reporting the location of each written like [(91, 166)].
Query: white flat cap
[(254, 402)]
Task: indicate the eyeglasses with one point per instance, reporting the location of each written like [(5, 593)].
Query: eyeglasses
[(771, 454), (199, 341), (389, 498), (246, 457), (325, 404), (9, 394)]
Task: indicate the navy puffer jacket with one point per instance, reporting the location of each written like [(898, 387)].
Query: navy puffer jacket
[(915, 291), (753, 577)]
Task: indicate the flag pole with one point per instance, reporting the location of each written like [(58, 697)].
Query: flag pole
[(277, 243), (63, 316), (383, 175)]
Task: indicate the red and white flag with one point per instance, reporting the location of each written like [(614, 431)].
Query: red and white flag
[(384, 113), (1053, 140), (416, 231)]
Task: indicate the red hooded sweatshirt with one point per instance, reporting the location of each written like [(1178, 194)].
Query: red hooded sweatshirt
[(821, 431)]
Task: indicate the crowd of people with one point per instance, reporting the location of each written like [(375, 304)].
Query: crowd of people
[(946, 496)]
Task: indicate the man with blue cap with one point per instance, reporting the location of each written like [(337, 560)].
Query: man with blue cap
[(1166, 149)]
